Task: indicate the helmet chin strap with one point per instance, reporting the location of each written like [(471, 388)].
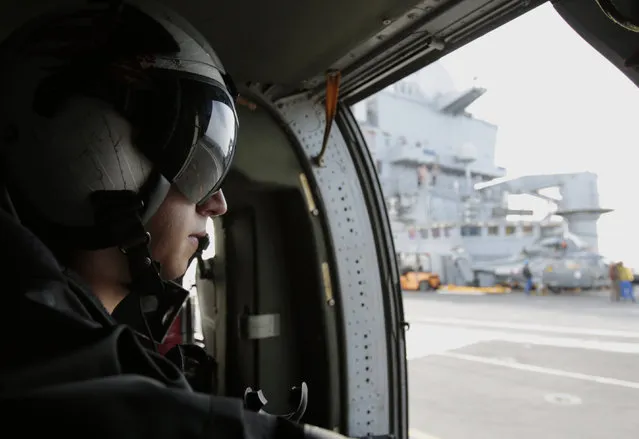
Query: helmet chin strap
[(152, 304)]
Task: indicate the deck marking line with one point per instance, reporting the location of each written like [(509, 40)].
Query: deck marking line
[(522, 326), (539, 369)]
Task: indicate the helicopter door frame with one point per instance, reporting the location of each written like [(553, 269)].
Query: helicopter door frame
[(389, 270), (366, 291)]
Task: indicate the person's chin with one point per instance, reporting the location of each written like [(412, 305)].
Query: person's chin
[(173, 272), (175, 268)]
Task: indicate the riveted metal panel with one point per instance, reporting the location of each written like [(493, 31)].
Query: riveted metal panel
[(357, 271)]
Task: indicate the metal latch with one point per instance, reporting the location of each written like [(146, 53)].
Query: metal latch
[(258, 326)]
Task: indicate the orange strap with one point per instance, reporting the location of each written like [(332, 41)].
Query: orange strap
[(332, 92)]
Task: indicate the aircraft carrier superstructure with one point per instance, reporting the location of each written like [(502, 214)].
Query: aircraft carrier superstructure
[(444, 193)]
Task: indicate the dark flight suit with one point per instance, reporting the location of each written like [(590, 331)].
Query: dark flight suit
[(69, 370)]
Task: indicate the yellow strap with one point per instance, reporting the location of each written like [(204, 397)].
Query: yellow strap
[(332, 92)]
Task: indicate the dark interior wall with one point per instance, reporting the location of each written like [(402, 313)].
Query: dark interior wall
[(273, 251)]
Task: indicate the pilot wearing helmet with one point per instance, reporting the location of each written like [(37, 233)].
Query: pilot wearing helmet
[(119, 130), (117, 127)]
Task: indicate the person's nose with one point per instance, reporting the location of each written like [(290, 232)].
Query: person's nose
[(214, 206)]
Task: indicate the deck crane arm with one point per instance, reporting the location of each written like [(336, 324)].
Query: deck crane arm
[(529, 184), (579, 203)]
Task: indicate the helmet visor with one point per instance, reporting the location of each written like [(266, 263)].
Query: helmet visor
[(213, 146), (189, 128), (187, 123)]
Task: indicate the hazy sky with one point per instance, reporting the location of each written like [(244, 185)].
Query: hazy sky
[(560, 107)]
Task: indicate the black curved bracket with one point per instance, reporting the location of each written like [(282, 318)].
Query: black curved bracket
[(255, 400)]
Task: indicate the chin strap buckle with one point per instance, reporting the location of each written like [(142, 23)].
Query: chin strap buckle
[(119, 215), (153, 304)]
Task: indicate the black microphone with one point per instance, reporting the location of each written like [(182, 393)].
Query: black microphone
[(202, 244)]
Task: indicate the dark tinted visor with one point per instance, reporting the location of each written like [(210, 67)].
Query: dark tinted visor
[(187, 125), (204, 131), (212, 114), (185, 122)]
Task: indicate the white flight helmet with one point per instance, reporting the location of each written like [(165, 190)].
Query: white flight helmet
[(99, 98)]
